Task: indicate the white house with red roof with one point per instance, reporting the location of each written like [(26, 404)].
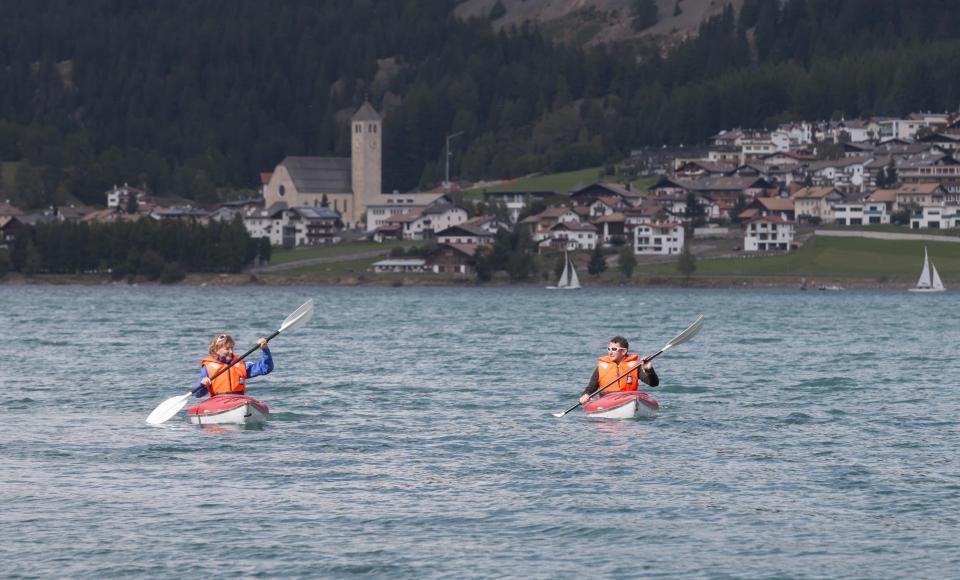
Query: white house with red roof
[(569, 236), (658, 238), (767, 232), (423, 223)]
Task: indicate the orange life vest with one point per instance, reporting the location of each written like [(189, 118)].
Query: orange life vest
[(608, 371), (233, 380)]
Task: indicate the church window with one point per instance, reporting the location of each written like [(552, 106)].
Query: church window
[(282, 190)]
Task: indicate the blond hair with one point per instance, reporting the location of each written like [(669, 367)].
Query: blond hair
[(219, 341)]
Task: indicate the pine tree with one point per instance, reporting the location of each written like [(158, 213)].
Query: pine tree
[(598, 263), (627, 261), (687, 264)]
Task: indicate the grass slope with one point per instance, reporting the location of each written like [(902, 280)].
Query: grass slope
[(562, 182)]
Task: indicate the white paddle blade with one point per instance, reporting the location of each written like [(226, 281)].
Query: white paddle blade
[(167, 409), (299, 317), (687, 334)]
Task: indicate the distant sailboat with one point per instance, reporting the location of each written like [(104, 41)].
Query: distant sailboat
[(568, 278), (929, 277)]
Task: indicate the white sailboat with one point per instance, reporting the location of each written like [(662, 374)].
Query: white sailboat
[(929, 277), (568, 278)]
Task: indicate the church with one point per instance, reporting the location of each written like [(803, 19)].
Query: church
[(349, 183)]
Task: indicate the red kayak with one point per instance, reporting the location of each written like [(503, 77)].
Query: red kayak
[(229, 409), (622, 405)]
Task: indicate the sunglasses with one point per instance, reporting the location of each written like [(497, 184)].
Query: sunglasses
[(615, 348)]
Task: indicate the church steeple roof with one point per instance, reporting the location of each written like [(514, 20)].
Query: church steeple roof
[(366, 112)]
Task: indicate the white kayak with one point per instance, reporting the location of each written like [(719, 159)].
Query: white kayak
[(229, 410), (622, 405)]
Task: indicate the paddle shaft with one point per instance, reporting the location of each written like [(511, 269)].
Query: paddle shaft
[(614, 381)]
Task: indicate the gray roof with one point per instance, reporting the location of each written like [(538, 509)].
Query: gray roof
[(320, 174), (317, 213), (469, 229), (366, 112)]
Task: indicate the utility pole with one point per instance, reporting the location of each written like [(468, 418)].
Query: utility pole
[(446, 180)]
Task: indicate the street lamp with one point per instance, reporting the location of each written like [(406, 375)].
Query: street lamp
[(446, 181)]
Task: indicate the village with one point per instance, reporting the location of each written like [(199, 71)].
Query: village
[(754, 188)]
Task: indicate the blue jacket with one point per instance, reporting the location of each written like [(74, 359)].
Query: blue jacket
[(254, 369)]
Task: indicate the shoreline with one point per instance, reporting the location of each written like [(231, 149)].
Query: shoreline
[(380, 280)]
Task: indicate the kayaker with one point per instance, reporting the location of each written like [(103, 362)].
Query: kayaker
[(234, 379), (615, 363)]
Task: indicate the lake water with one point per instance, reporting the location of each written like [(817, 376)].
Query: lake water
[(801, 435)]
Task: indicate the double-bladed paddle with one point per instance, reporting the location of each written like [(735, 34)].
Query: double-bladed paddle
[(681, 338), (167, 409)]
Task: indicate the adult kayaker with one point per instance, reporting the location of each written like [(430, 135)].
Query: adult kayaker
[(234, 379), (615, 363)]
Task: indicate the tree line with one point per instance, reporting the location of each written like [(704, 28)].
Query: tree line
[(154, 250), (195, 98)]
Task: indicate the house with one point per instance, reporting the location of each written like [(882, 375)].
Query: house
[(764, 233), (569, 236), (903, 129), (267, 223), (697, 168), (295, 227), (422, 224), (120, 196), (922, 194), (625, 193), (311, 226), (928, 166), (400, 265), (661, 160), (452, 259), (8, 210), (750, 186), (229, 210), (932, 216), (603, 206), (515, 201), (658, 238), (771, 206), (847, 172), (543, 221), (465, 233), (611, 228), (10, 226), (815, 202), (182, 214), (883, 197), (382, 207), (488, 223)]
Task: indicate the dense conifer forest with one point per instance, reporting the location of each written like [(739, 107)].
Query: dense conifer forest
[(194, 98)]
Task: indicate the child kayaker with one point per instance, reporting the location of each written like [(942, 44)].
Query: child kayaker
[(615, 363), (234, 379)]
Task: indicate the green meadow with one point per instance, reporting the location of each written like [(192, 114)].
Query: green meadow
[(826, 257)]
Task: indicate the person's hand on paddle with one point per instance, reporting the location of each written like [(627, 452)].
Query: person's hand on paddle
[(647, 364), (584, 398), (263, 343)]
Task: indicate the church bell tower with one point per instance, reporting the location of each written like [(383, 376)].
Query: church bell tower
[(366, 158)]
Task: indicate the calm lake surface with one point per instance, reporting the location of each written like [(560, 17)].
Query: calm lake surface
[(801, 435)]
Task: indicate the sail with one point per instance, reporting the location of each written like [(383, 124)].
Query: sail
[(937, 283), (574, 280), (924, 281), (565, 274)]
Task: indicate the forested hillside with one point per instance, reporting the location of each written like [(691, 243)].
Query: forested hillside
[(196, 97)]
